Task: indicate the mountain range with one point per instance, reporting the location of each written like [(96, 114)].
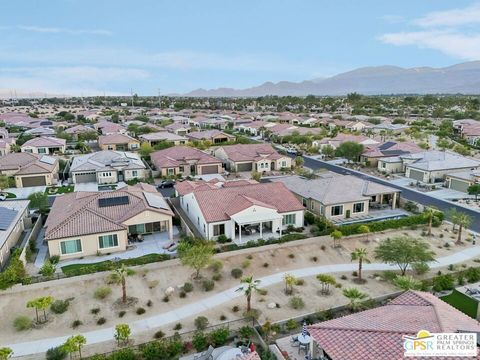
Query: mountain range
[(461, 78)]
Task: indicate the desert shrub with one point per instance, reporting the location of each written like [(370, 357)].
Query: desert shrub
[(22, 322), (182, 294), (246, 263), (323, 247), (216, 266), (420, 268), (188, 287), (76, 323), (95, 311), (140, 311), (291, 325), (223, 317), (153, 284), (354, 273), (159, 334), (101, 321), (56, 353), (208, 285), (296, 303), (60, 306), (266, 265), (102, 292), (217, 277), (235, 308), (443, 282), (300, 282), (291, 256), (222, 239), (472, 274), (122, 313), (123, 354), (177, 327), (219, 337), (343, 277), (166, 298), (314, 258), (237, 273), (149, 303), (263, 292), (201, 323), (54, 259)]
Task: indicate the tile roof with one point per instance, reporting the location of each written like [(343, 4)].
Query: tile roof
[(78, 129), (181, 155), (162, 136), (45, 141), (377, 333), (78, 214), (331, 188), (115, 139), (208, 134), (392, 148), (27, 163), (251, 152), (218, 203), (439, 160), (107, 160)]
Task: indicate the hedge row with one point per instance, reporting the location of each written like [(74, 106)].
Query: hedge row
[(261, 242)]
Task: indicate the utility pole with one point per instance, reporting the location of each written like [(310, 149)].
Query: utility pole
[(131, 93), (159, 100)]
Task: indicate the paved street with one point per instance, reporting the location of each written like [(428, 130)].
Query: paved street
[(408, 194)]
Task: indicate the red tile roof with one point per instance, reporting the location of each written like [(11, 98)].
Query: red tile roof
[(181, 155), (251, 152), (377, 333)]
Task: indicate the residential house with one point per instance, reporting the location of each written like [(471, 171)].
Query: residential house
[(214, 136), (29, 169), (108, 127), (373, 153), (186, 161), (91, 223), (342, 198), (381, 332), (13, 221), (118, 142), (44, 145), (240, 209), (342, 138), (40, 131), (107, 167), (252, 157), (6, 142), (178, 129), (253, 128), (433, 166), (163, 136), (468, 129), (462, 180), (77, 130)]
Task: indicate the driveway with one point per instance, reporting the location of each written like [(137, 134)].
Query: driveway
[(24, 193)]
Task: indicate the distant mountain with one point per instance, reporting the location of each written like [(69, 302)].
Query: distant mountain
[(377, 80)]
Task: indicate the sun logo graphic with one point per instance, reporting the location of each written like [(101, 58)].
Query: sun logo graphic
[(424, 341)]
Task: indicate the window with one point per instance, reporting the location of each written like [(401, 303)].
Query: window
[(110, 147), (107, 241), (289, 219), (70, 247), (171, 171), (337, 210), (218, 229), (106, 174), (181, 169), (284, 164), (358, 207), (134, 173), (28, 150), (384, 165), (312, 205), (134, 146), (42, 150)]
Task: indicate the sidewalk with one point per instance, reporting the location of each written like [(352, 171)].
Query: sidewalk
[(153, 322)]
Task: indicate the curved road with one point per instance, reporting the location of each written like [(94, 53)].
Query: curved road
[(422, 198), (156, 321)]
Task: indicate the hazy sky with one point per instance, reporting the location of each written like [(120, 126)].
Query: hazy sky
[(96, 46)]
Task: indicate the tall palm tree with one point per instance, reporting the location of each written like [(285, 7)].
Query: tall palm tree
[(463, 220), (250, 286), (119, 276), (360, 254), (290, 280), (429, 214), (355, 297)]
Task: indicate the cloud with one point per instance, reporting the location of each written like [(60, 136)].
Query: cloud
[(393, 19), (453, 32), (451, 18), (57, 30)]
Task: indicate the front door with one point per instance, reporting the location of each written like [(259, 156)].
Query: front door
[(120, 176)]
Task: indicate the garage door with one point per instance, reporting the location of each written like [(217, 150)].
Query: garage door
[(209, 169), (33, 181), (244, 167), (86, 177), (458, 185), (417, 175)]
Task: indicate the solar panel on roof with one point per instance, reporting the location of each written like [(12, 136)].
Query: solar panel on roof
[(6, 217), (47, 160), (113, 201), (156, 201)]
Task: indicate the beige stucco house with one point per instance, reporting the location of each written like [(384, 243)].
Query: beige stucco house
[(118, 142), (14, 220), (30, 169), (91, 223)]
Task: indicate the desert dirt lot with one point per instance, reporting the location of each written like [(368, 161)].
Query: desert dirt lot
[(150, 282)]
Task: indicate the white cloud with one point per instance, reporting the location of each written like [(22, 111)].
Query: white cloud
[(451, 18)]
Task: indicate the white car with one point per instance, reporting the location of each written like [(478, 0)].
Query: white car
[(3, 196)]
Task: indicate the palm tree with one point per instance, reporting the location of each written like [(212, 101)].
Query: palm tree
[(119, 276), (360, 254), (355, 297), (290, 280), (336, 235), (463, 220), (429, 214), (326, 281), (41, 303), (248, 289), (453, 215)]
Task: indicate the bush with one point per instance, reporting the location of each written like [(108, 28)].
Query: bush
[(166, 298), (140, 311), (22, 322), (235, 308), (101, 321), (159, 334), (76, 323), (237, 273), (199, 341), (291, 325), (56, 353), (472, 274), (300, 282), (223, 317), (443, 282), (177, 327), (201, 323), (291, 256), (102, 292), (208, 285), (149, 303), (219, 337), (122, 313), (188, 287), (95, 311), (246, 263), (266, 265), (420, 268), (182, 294), (222, 239), (314, 258), (216, 266), (217, 277), (296, 303), (60, 306), (123, 354)]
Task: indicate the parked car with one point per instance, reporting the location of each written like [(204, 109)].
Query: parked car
[(3, 196), (166, 183)]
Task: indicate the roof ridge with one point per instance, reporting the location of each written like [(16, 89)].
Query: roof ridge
[(314, 326)]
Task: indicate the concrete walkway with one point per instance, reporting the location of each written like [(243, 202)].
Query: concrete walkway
[(154, 322), (42, 249)]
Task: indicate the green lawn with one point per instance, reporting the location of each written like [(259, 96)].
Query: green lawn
[(82, 269), (462, 302), (55, 190)]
